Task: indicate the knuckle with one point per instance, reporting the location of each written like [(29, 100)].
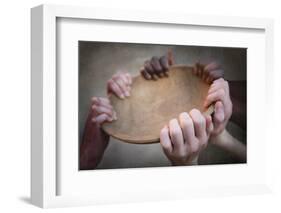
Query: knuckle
[(218, 81), (204, 141), (199, 122), (197, 117), (185, 120), (221, 92), (194, 112), (175, 132), (182, 154), (183, 115), (203, 144), (94, 99), (154, 58), (226, 85), (163, 132), (148, 67), (194, 149)]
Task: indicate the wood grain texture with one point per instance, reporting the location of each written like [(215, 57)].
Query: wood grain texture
[(153, 103)]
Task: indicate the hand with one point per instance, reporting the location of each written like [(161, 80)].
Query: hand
[(102, 110), (94, 140), (120, 85), (208, 72), (219, 94), (157, 67), (183, 140)]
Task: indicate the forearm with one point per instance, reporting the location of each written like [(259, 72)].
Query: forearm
[(238, 94), (94, 143), (230, 144)]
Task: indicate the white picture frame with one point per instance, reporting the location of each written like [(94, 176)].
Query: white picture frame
[(44, 153)]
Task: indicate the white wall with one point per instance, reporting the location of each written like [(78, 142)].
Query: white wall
[(15, 104)]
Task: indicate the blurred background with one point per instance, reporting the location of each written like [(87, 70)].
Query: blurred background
[(98, 61)]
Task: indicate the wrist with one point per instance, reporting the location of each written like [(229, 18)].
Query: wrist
[(189, 162), (217, 139), (222, 140)]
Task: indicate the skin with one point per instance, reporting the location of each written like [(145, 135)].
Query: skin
[(157, 67), (219, 95), (231, 145), (182, 140), (94, 140), (212, 71)]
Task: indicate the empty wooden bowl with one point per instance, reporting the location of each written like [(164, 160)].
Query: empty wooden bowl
[(153, 104)]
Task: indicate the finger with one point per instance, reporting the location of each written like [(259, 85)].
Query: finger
[(209, 124), (187, 127), (176, 134), (200, 68), (164, 63), (205, 74), (212, 66), (156, 66), (208, 68), (101, 110), (101, 119), (221, 83), (214, 87), (122, 75), (98, 100), (195, 68), (199, 123), (170, 56), (121, 82), (114, 88), (219, 80), (165, 140), (226, 86), (145, 74), (218, 95), (149, 69), (214, 75), (129, 78), (105, 104), (219, 113)]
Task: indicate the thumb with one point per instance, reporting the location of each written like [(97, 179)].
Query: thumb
[(209, 124), (219, 113), (171, 59)]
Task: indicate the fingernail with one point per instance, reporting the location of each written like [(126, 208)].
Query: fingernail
[(122, 96), (127, 94)]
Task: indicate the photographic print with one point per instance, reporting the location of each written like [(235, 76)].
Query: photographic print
[(154, 105)]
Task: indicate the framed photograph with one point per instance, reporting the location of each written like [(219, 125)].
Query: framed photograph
[(132, 106)]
